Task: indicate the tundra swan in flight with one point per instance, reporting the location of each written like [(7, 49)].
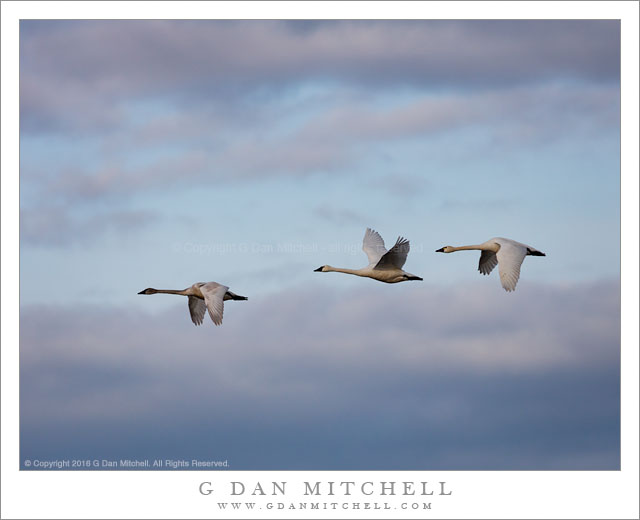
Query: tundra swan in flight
[(209, 296), (385, 266), (507, 254)]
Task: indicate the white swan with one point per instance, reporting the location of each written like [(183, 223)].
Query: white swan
[(210, 296), (385, 266), (507, 253)]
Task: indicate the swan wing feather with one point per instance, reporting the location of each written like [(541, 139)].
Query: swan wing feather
[(396, 257), (510, 257), (373, 246), (197, 308), (214, 299), (488, 260)]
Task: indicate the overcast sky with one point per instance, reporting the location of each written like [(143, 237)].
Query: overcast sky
[(162, 153)]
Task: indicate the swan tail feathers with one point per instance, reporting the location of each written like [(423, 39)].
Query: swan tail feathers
[(236, 296)]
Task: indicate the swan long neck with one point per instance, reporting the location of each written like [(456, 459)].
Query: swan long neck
[(173, 291), (344, 270), (467, 248)]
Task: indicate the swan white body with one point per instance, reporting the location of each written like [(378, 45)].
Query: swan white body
[(504, 252), (384, 266), (203, 296)]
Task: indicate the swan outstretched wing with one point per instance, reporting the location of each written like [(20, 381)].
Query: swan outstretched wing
[(510, 257), (396, 256), (373, 246), (196, 309), (214, 299), (488, 260)]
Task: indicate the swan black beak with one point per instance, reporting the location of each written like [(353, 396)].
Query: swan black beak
[(318, 270), (141, 292), (441, 250), (414, 278)]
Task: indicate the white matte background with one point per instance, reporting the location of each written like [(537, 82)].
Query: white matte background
[(175, 494)]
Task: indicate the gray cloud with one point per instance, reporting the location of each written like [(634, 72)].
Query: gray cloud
[(59, 226), (403, 186), (196, 99), (339, 216), (379, 378), (77, 73), (329, 141), (528, 111)]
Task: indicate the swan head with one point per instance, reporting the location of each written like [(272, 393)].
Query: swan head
[(321, 269), (148, 291), (445, 249)]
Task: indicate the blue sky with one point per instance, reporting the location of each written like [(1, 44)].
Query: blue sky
[(161, 153)]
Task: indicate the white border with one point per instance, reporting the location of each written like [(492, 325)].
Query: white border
[(175, 495)]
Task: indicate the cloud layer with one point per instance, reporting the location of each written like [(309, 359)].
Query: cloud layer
[(117, 111), (380, 378), (65, 64), (327, 143), (265, 132)]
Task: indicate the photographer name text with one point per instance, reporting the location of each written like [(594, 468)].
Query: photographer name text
[(329, 488)]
